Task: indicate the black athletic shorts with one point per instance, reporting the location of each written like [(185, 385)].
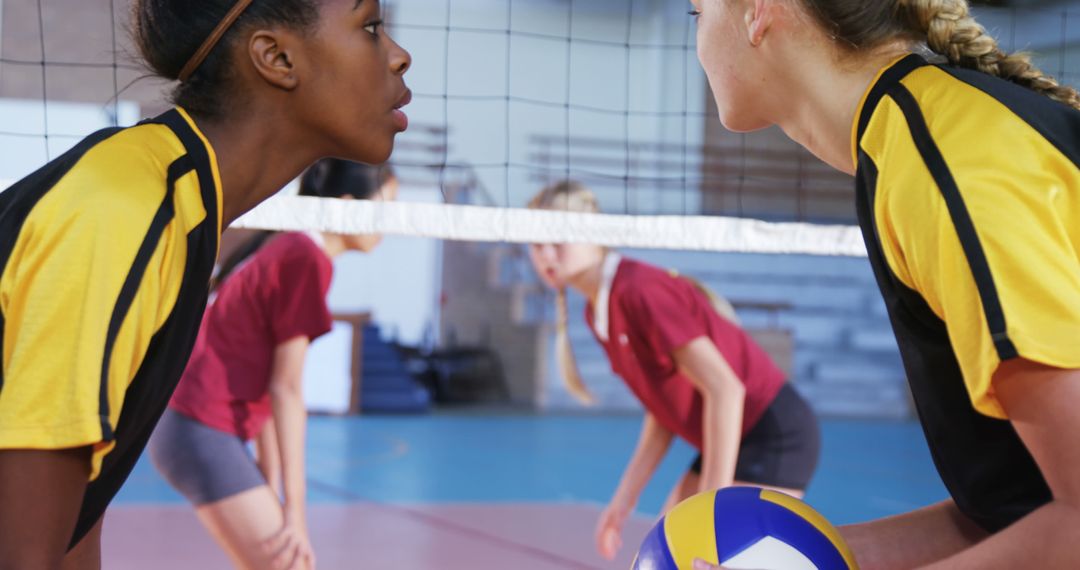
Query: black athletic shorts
[(782, 449)]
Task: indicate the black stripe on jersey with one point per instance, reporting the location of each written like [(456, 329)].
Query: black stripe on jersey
[(893, 75), (1056, 122), (164, 215), (866, 187), (1, 348), (199, 156), (983, 464), (17, 201), (965, 228)]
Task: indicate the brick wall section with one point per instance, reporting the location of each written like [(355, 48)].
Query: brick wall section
[(75, 31)]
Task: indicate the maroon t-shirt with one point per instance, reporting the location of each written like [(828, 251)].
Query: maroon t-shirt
[(650, 314), (275, 296)]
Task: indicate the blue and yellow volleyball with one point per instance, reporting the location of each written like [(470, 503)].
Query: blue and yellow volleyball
[(744, 528)]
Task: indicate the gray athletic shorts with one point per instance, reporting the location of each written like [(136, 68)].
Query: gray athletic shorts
[(204, 464)]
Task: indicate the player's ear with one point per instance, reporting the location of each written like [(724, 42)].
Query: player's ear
[(272, 53)]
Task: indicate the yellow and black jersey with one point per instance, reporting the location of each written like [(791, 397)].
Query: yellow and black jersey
[(105, 255), (969, 201)]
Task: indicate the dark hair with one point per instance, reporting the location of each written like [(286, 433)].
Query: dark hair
[(945, 26), (334, 177), (169, 32), (328, 178)]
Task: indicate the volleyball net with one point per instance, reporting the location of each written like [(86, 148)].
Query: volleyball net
[(514, 95)]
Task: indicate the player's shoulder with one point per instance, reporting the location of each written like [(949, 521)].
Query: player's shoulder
[(129, 168), (637, 272), (295, 251), (638, 282), (298, 244)]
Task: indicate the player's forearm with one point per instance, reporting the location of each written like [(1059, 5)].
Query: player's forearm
[(267, 456), (290, 419), (912, 539), (722, 425), (653, 444), (1047, 538)]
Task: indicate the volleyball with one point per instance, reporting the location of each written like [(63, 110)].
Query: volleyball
[(744, 528)]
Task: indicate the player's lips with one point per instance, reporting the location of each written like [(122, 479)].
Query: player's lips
[(401, 120), (405, 99)]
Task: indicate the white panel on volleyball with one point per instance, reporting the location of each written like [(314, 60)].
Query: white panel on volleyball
[(769, 553)]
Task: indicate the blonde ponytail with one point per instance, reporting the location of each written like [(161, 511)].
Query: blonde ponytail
[(571, 196), (564, 354), (719, 304), (947, 28), (951, 31)]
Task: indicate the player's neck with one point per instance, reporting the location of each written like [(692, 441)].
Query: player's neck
[(821, 118), (589, 281), (256, 159), (333, 244)]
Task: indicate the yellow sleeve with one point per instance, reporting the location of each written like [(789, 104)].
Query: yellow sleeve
[(1024, 226), (60, 294)]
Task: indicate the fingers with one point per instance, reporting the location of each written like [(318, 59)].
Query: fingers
[(298, 561), (610, 542), (306, 558), (303, 557), (601, 526), (275, 543), (287, 558), (609, 533), (287, 551)]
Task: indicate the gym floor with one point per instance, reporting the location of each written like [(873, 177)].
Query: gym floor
[(479, 490)]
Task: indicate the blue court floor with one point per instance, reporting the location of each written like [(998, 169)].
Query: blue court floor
[(868, 469)]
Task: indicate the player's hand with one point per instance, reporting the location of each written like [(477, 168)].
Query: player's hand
[(609, 530), (700, 564), (291, 548)]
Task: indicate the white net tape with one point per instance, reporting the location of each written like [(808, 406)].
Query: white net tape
[(517, 225)]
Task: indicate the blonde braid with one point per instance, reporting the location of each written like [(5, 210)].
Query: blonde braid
[(564, 353), (951, 31), (721, 305), (569, 196)]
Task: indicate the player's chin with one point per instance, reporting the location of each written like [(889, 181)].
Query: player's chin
[(737, 120), (374, 150), (382, 155)]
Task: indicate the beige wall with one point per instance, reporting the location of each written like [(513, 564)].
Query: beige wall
[(75, 31), (479, 312)]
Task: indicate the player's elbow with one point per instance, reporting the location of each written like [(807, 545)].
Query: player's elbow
[(286, 389), (723, 388)]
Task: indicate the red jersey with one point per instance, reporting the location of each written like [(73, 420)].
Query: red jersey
[(650, 314), (275, 296)]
